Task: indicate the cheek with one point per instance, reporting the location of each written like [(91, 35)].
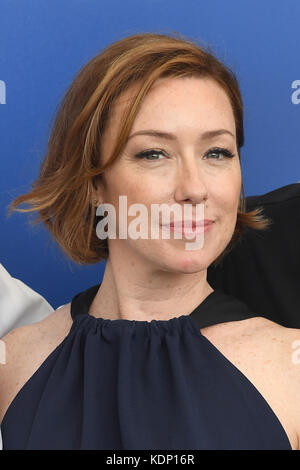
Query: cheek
[(138, 188), (227, 198), (135, 190), (228, 192), (226, 203)]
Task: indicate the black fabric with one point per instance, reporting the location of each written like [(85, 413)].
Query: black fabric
[(263, 270), (126, 384), (218, 308)]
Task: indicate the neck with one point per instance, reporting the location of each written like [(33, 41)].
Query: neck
[(132, 294)]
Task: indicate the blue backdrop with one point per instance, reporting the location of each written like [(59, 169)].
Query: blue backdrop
[(44, 43)]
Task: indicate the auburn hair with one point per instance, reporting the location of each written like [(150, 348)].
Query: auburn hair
[(61, 196)]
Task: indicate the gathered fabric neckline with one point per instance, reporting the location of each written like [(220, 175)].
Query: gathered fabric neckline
[(129, 384), (229, 309)]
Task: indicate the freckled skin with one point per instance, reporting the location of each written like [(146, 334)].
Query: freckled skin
[(185, 107), (147, 279)]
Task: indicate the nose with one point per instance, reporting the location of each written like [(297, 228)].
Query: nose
[(191, 185)]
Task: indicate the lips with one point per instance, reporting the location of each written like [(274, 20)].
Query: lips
[(190, 223)]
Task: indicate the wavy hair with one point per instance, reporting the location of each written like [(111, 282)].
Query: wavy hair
[(61, 196)]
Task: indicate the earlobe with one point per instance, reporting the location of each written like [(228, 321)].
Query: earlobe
[(98, 187), (97, 195), (96, 201)]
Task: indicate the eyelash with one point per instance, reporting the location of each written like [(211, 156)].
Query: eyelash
[(147, 153)]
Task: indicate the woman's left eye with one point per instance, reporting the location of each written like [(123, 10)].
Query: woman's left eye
[(214, 151), (217, 150), (149, 153)]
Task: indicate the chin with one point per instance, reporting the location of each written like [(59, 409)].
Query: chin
[(192, 263)]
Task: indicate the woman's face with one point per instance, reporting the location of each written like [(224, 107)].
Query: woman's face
[(184, 169)]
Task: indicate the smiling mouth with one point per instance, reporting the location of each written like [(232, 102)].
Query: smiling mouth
[(196, 230), (189, 224)]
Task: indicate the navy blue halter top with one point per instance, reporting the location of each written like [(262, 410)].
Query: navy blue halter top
[(127, 384)]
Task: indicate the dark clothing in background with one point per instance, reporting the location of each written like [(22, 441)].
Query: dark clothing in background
[(263, 270)]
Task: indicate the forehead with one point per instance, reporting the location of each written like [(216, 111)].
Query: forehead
[(174, 100)]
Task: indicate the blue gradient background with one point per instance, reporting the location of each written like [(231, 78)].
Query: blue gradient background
[(44, 43)]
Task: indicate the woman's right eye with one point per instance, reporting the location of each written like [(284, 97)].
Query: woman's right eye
[(149, 153)]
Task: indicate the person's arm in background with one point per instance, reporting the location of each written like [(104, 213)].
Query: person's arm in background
[(263, 269), (19, 304)]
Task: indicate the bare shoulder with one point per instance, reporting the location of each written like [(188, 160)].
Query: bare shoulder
[(44, 332), (283, 343), (259, 340), (26, 348), (284, 357), (259, 330), (268, 354)]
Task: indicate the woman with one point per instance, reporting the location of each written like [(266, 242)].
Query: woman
[(138, 361)]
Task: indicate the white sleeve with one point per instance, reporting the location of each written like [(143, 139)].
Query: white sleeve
[(19, 305)]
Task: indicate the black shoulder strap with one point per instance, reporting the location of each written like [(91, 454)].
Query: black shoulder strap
[(81, 302), (220, 308)]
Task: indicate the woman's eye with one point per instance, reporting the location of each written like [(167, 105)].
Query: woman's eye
[(214, 153), (218, 151), (149, 153)]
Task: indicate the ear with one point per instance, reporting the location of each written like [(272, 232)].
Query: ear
[(98, 190)]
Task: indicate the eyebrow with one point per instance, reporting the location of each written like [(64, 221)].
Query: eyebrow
[(169, 136)]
